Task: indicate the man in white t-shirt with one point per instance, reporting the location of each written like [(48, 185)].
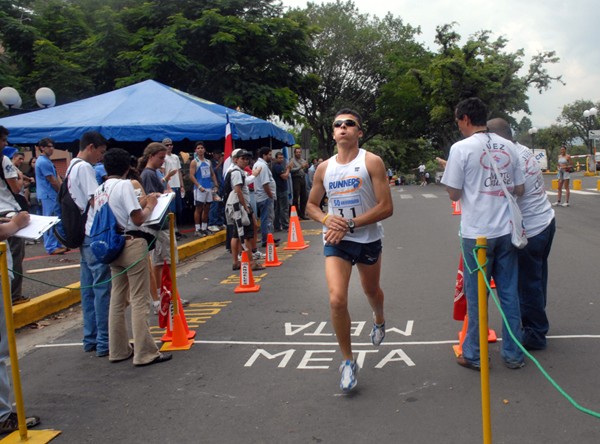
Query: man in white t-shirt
[(470, 178), (94, 275), (540, 226), (174, 177)]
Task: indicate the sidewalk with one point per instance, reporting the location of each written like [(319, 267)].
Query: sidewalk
[(40, 307)]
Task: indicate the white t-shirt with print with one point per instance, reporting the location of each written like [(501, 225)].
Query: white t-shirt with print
[(484, 208), (7, 200), (534, 204)]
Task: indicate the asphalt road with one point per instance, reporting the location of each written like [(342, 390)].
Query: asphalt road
[(264, 368)]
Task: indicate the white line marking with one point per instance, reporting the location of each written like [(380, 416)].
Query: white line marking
[(430, 196), (406, 196), (326, 344)]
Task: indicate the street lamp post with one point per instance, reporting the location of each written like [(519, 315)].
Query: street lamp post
[(532, 132), (590, 115), (11, 99)]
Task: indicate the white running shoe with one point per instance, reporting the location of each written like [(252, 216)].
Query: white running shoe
[(377, 333), (566, 204), (257, 255), (556, 204), (214, 228), (349, 370), (155, 307)]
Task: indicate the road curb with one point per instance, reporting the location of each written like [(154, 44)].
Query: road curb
[(48, 304)]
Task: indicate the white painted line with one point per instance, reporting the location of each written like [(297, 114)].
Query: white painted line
[(584, 193), (326, 344), (430, 196), (406, 196)]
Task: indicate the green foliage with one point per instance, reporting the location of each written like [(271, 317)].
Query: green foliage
[(351, 66)]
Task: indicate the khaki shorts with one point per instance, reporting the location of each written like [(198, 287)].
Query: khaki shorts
[(162, 249)]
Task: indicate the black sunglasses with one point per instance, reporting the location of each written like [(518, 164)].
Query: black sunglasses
[(347, 122)]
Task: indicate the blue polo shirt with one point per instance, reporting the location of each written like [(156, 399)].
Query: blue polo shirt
[(43, 168)]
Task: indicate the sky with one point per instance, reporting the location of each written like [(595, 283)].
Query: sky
[(567, 27)]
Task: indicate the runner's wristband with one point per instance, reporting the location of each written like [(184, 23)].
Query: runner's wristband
[(324, 219)]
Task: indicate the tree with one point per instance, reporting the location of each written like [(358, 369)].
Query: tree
[(350, 68), (481, 67), (572, 117), (241, 53)]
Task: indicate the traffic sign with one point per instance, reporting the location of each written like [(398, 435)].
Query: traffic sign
[(594, 134)]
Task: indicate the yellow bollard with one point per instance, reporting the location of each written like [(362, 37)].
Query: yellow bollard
[(555, 184), (577, 184), (598, 185), (482, 301), (21, 435)]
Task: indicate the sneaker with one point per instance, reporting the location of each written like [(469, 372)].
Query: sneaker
[(20, 300), (257, 255), (207, 233), (155, 307), (464, 362), (566, 204), (185, 302), (199, 233), (514, 365), (11, 424), (214, 228), (348, 369), (556, 204), (377, 333)]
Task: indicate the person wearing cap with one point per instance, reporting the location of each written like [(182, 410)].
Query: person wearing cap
[(240, 217), (9, 187), (174, 177), (205, 183)]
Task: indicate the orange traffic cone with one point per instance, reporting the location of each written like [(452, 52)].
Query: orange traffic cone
[(295, 238), (167, 311), (492, 283), (168, 336), (247, 284), (463, 333), (456, 208), (461, 337), (272, 260), (180, 340)]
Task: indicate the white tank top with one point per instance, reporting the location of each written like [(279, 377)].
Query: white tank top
[(350, 193)]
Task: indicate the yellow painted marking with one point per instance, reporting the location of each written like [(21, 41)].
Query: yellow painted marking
[(195, 314)]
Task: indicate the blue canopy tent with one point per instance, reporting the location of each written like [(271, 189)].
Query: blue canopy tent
[(145, 111)]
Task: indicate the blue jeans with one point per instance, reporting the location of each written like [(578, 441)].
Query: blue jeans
[(94, 301), (282, 211), (533, 283), (267, 211), (176, 205), (502, 264), (49, 208), (216, 214)]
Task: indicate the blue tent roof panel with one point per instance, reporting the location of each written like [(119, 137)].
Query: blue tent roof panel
[(146, 110)]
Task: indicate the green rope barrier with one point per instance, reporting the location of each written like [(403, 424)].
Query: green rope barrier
[(103, 282), (510, 332)]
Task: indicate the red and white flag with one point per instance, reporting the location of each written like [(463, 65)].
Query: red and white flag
[(228, 147)]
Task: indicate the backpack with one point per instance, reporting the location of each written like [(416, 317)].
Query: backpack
[(227, 188), (18, 197), (106, 242), (70, 231)]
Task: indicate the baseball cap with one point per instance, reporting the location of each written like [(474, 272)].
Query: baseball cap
[(242, 153), (166, 140)]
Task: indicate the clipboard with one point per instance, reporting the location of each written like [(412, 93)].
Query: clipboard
[(160, 209), (37, 226)]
